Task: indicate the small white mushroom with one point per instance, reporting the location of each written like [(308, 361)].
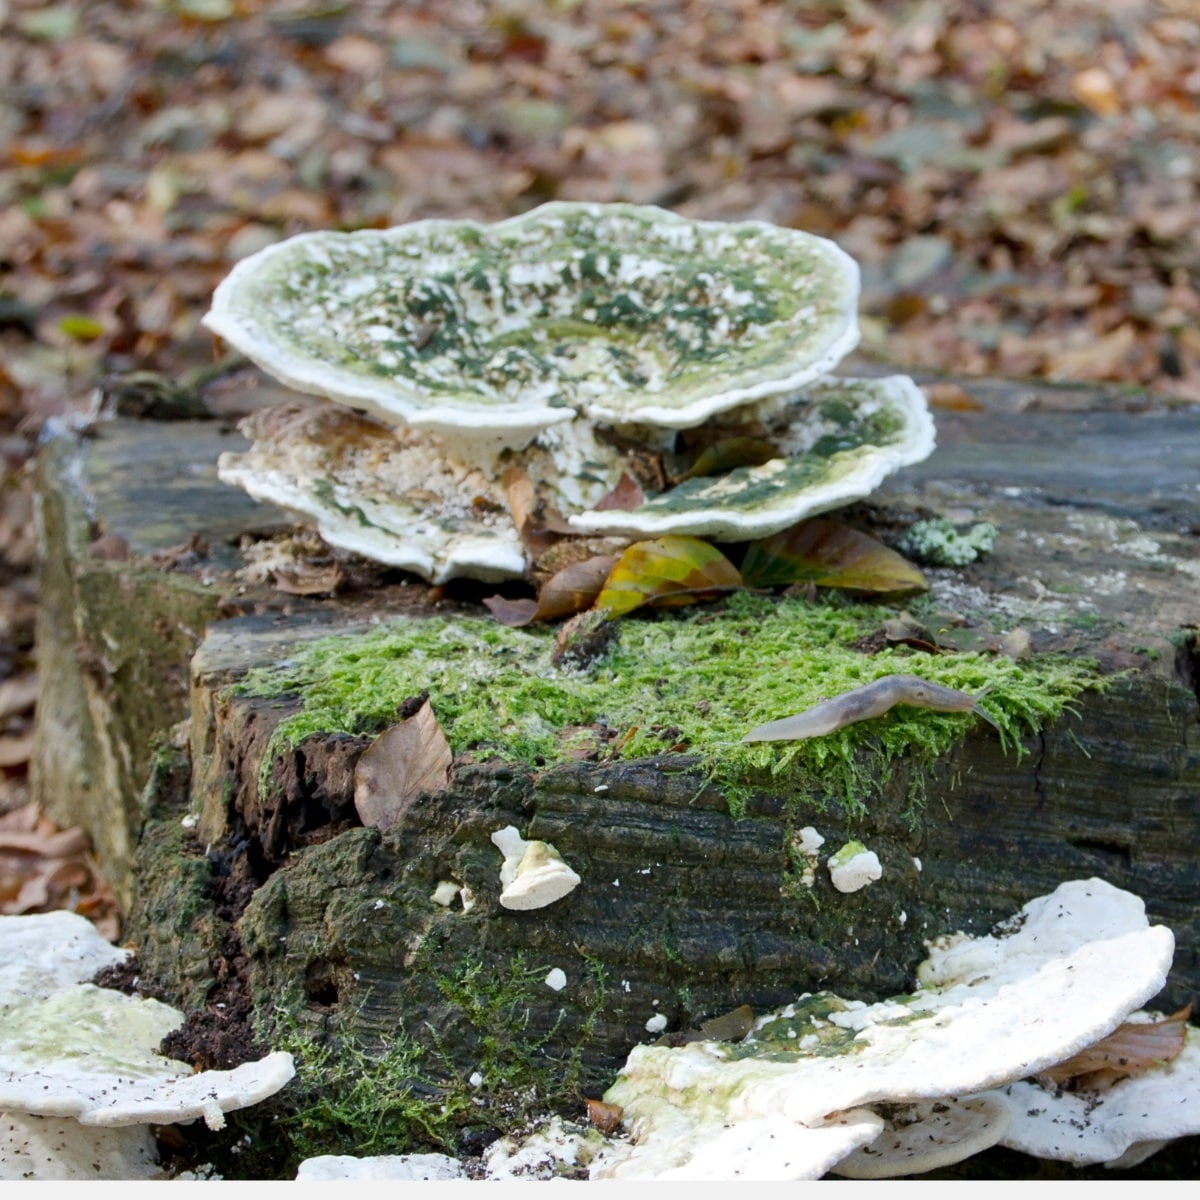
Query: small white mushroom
[(533, 874), (445, 894), (853, 867)]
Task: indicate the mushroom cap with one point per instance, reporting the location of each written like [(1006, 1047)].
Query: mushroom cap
[(71, 1049), (404, 498), (1084, 1126), (929, 1135), (621, 312), (838, 440), (44, 952), (50, 1148), (853, 867), (541, 878)]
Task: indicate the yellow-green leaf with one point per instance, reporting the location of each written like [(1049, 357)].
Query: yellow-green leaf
[(732, 452), (81, 328), (668, 570), (829, 554)]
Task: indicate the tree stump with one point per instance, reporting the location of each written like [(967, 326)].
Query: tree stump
[(687, 908)]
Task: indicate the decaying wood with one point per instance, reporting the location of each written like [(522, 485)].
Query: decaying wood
[(684, 910)]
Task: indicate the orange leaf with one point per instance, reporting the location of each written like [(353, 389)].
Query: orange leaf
[(829, 554), (668, 570), (402, 763)]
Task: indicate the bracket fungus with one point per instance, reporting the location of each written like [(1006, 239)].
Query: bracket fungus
[(1119, 1125), (991, 1011), (565, 342), (71, 1049)]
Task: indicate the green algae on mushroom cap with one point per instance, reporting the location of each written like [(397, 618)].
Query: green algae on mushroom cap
[(623, 313), (838, 440)]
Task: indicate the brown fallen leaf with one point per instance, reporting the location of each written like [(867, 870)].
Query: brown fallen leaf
[(625, 497), (829, 554), (538, 528), (951, 397), (14, 751), (514, 612), (729, 453), (1130, 1049), (669, 570), (53, 844), (570, 591), (729, 1027), (904, 629), (402, 763), (605, 1117), (18, 695)]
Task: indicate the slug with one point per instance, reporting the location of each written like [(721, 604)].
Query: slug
[(863, 703)]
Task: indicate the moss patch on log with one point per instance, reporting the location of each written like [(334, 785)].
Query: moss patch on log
[(693, 682)]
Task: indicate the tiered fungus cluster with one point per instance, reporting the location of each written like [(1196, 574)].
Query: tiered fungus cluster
[(919, 1082), (81, 1079), (566, 342)]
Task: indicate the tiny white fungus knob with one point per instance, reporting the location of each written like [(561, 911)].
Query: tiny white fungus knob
[(853, 867), (533, 873)]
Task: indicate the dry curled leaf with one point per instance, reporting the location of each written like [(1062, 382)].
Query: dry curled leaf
[(569, 591), (402, 763), (1130, 1049), (668, 570), (829, 554), (307, 579), (538, 527)]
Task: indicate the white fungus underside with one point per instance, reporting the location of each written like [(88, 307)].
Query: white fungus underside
[(71, 1049), (1095, 1127), (928, 1136)]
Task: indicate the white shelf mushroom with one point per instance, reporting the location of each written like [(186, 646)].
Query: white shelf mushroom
[(533, 874), (993, 1010), (70, 1049)]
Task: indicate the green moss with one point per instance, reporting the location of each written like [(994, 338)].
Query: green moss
[(407, 1096), (694, 682)]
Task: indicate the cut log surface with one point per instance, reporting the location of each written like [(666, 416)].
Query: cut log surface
[(684, 911)]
